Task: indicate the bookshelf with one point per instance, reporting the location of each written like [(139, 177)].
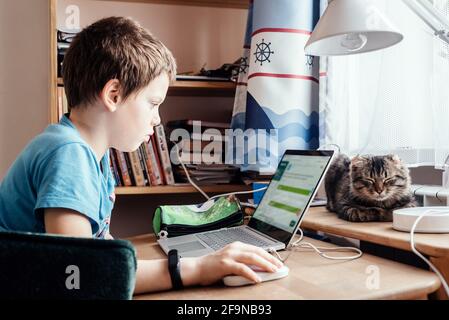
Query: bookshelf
[(180, 189), (194, 88), (239, 4), (179, 88)]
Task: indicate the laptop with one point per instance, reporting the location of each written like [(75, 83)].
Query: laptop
[(279, 214)]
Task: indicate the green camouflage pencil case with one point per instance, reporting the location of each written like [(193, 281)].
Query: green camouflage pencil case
[(173, 221)]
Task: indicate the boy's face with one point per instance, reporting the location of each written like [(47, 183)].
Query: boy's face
[(134, 120)]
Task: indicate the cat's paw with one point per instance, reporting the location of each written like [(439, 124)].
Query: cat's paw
[(355, 215), (386, 216)]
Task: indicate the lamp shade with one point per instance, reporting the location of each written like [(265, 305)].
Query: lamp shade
[(350, 27)]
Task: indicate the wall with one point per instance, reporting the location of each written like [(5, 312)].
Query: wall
[(24, 75)]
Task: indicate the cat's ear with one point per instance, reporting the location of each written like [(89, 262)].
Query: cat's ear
[(358, 161), (395, 158)]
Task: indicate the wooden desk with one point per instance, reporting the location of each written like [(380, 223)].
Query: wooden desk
[(311, 277), (436, 246)]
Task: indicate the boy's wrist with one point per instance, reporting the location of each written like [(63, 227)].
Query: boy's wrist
[(190, 273)]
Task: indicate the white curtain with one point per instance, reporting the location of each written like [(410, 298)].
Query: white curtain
[(394, 100)]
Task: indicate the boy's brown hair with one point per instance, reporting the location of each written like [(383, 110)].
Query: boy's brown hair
[(113, 48)]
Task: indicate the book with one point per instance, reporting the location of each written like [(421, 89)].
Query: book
[(60, 92), (143, 165), (188, 124), (201, 157), (123, 168), (162, 147), (191, 145), (208, 173), (114, 169), (65, 35), (156, 161), (130, 171), (152, 166), (200, 78), (65, 105), (136, 169)]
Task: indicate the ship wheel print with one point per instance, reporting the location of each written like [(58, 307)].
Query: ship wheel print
[(310, 60), (241, 67), (263, 52)]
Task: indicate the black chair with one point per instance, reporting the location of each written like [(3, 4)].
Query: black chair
[(40, 266)]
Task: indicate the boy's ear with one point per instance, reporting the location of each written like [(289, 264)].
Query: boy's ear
[(110, 95)]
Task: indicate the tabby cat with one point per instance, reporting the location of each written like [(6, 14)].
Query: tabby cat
[(368, 188)]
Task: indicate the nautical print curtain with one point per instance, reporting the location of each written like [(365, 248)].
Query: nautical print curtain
[(276, 103)]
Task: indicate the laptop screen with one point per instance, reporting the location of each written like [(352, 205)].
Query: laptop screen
[(291, 190)]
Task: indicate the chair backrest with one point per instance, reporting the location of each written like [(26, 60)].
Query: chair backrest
[(40, 266)]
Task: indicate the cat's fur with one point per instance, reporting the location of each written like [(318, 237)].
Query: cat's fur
[(368, 188)]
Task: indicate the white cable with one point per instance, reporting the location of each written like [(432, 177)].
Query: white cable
[(204, 193), (239, 192), (320, 250), (247, 204), (412, 244), (188, 175), (330, 144)]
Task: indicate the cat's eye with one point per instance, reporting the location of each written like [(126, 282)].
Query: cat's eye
[(393, 179), (396, 181)]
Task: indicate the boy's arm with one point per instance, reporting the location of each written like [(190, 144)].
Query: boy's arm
[(67, 222), (153, 275)]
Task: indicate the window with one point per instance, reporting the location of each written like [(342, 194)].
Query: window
[(394, 100)]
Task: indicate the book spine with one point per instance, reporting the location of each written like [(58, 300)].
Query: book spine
[(155, 162), (121, 161), (130, 171), (158, 160), (114, 169), (136, 168), (143, 165), (150, 169), (164, 155), (65, 105)]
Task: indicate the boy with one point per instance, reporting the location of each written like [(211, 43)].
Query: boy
[(116, 75)]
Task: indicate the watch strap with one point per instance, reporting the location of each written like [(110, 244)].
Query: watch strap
[(174, 268)]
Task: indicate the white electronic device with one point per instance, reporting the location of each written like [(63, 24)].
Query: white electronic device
[(435, 220), (235, 281)]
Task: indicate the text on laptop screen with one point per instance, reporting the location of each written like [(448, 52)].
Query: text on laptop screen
[(290, 190)]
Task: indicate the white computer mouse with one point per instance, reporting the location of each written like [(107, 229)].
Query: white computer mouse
[(235, 281)]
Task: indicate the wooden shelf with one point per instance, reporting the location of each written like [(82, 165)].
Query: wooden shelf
[(181, 188), (239, 4), (196, 88), (202, 88)]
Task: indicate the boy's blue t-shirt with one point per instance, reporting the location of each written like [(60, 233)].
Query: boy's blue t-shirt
[(57, 170)]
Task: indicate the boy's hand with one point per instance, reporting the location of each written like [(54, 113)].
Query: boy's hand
[(108, 236), (234, 259)]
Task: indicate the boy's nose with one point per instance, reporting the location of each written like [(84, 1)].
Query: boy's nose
[(156, 121)]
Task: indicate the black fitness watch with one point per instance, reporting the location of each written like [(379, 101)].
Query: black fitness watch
[(174, 268)]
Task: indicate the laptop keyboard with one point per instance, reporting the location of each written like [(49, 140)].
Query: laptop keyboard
[(219, 239)]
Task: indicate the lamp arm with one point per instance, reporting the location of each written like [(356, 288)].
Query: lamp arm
[(434, 19), (438, 15)]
